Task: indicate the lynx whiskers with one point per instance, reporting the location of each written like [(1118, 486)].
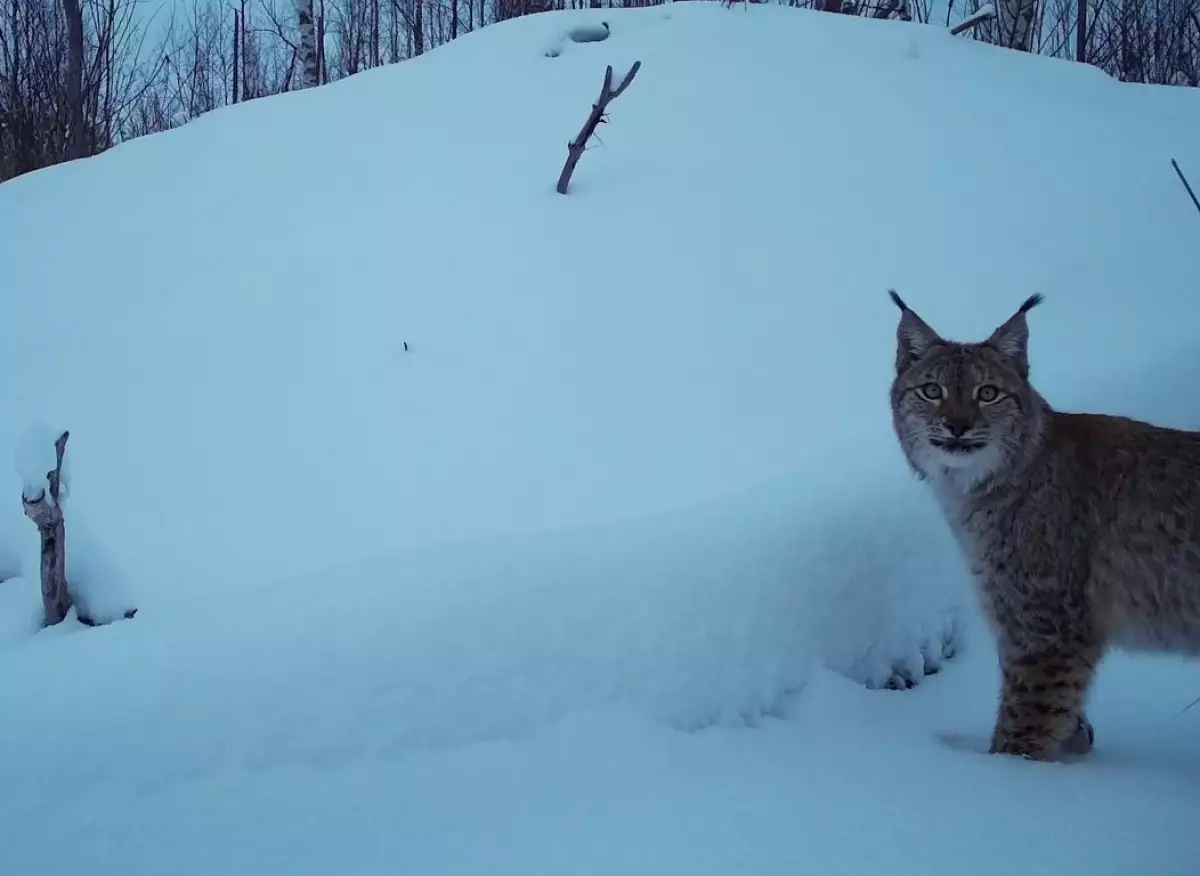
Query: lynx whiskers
[(1082, 531)]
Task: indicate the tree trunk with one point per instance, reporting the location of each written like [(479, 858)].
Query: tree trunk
[(307, 52), (110, 73), (418, 28), (247, 92), (393, 34), (374, 33), (75, 146), (236, 50), (1016, 24), (1081, 32), (453, 19), (322, 69)]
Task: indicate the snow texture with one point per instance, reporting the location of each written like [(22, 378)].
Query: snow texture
[(36, 457), (598, 576)]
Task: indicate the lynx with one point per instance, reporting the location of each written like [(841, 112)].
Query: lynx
[(1081, 531)]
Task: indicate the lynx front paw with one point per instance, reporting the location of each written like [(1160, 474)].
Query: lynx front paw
[(1042, 746)]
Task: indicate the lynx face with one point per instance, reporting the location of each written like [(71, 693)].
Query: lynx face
[(964, 408)]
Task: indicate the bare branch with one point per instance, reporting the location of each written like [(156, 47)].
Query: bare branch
[(577, 146), (1186, 184)]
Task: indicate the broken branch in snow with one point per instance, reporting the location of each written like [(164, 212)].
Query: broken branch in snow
[(1186, 184), (577, 146), (985, 13), (42, 507)]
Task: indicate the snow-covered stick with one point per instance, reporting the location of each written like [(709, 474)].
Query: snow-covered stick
[(43, 508), (577, 146), (985, 13), (1186, 184)]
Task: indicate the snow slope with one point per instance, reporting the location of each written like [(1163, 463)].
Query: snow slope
[(553, 589)]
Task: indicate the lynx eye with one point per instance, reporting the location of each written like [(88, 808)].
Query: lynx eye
[(987, 394), (931, 391)]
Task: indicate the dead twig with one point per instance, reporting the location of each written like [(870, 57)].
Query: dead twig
[(1188, 706), (1186, 184), (576, 147)]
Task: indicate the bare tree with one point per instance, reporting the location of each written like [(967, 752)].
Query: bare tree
[(76, 147), (310, 72), (1015, 21), (70, 85), (237, 41)]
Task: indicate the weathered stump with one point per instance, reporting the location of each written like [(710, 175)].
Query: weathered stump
[(43, 508)]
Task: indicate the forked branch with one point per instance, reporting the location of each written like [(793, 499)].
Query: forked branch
[(576, 147)]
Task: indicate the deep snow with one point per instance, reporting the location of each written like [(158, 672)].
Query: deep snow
[(552, 590)]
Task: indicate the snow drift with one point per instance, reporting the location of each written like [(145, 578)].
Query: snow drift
[(636, 454)]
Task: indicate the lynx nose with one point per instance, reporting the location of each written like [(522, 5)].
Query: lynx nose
[(956, 426)]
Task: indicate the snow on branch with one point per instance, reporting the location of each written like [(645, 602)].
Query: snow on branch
[(576, 147), (985, 13)]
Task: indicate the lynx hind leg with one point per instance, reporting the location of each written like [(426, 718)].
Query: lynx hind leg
[(1041, 714)]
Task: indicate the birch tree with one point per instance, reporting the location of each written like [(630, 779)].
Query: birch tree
[(1016, 18), (310, 70)]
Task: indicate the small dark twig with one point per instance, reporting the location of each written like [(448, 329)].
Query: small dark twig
[(1188, 706), (1186, 184), (577, 146)]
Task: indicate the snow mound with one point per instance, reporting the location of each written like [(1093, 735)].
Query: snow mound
[(395, 449)]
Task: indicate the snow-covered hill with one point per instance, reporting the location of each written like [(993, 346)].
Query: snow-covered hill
[(558, 587)]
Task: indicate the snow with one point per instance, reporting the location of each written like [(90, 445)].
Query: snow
[(36, 457), (599, 574)]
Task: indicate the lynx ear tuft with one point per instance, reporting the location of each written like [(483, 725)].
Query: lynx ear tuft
[(1011, 340), (1031, 302), (914, 337)]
